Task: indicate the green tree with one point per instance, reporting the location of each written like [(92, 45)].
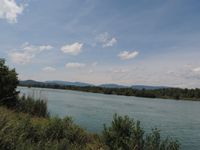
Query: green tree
[(8, 85)]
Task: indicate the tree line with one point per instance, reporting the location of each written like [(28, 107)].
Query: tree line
[(166, 93)]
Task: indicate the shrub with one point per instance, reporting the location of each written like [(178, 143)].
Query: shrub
[(153, 141), (126, 134)]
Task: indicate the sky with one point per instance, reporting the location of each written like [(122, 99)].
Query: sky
[(125, 42)]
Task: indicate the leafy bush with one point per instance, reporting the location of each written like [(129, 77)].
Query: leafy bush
[(153, 142), (126, 134)]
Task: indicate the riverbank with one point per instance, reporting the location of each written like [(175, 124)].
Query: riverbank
[(23, 131), (165, 93), (92, 110)]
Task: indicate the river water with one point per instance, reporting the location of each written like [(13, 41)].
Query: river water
[(178, 119)]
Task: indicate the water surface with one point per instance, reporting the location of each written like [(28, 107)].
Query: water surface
[(180, 119)]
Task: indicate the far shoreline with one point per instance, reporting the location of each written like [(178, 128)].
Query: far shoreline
[(84, 91)]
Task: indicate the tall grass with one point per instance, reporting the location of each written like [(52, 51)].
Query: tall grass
[(22, 132), (34, 107), (19, 131)]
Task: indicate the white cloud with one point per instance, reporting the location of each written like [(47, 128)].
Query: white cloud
[(49, 69), (106, 40), (27, 52), (196, 69), (125, 55), (110, 42), (73, 49), (21, 57), (10, 10), (74, 65)]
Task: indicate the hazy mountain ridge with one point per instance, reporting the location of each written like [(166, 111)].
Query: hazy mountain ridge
[(113, 86), (82, 84)]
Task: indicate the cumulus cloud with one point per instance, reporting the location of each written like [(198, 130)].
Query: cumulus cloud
[(74, 65), (110, 43), (49, 69), (10, 10), (21, 58), (73, 49), (125, 55), (196, 69), (27, 52), (106, 40)]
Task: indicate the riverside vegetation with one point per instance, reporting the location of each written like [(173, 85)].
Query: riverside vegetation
[(165, 93), (26, 124)]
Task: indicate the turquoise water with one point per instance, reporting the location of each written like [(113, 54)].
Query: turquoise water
[(180, 119)]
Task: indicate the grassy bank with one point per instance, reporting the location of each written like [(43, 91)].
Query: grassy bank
[(29, 126), (21, 131)]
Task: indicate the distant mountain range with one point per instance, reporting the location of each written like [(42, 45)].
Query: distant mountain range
[(69, 83), (32, 82), (112, 86), (140, 87), (82, 84)]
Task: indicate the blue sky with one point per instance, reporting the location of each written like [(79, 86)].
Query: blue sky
[(103, 41)]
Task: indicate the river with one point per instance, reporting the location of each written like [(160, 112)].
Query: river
[(178, 119)]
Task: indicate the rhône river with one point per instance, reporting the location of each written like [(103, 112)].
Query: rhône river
[(179, 119)]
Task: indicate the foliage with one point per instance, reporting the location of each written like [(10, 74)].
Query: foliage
[(153, 142), (34, 107), (8, 84), (20, 131), (126, 134), (9, 96)]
